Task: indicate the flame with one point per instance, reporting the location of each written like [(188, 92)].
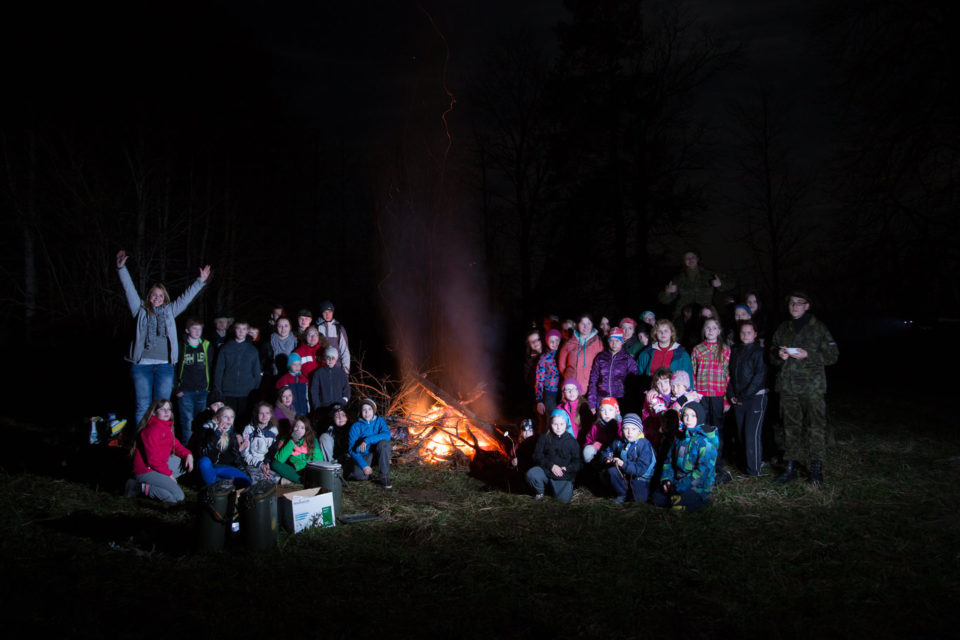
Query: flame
[(446, 433)]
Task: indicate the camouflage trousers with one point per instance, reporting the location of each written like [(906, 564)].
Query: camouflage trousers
[(804, 419)]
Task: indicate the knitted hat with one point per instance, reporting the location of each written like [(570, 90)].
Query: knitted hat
[(632, 420), (294, 358), (330, 352), (681, 377), (745, 308), (646, 313), (617, 333), (574, 382), (373, 405), (553, 332), (629, 321), (610, 402)]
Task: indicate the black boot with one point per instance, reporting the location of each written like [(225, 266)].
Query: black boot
[(816, 473), (789, 473)]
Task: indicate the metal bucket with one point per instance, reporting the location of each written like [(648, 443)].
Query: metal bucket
[(327, 475), (258, 516), (215, 516)]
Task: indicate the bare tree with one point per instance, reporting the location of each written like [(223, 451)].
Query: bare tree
[(770, 193)]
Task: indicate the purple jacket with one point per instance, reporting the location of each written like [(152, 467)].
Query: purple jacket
[(608, 375)]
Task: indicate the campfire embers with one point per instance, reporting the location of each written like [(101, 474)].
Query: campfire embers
[(445, 433)]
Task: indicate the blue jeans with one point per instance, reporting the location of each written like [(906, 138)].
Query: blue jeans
[(150, 381), (621, 485), (212, 472), (191, 404)]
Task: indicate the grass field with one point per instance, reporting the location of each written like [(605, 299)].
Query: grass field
[(875, 553)]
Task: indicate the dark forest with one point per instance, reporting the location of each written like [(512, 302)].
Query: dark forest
[(449, 175)]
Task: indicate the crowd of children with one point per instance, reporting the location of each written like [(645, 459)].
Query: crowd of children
[(663, 444), (220, 384), (668, 447)]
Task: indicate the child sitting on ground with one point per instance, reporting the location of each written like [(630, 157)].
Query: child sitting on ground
[(298, 384), (370, 436), (258, 439), (301, 448), (155, 452), (605, 430), (221, 458), (556, 459), (689, 470), (632, 462)]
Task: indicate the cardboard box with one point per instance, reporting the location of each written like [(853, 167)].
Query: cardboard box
[(306, 508)]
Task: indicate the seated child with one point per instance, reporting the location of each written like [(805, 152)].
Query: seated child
[(301, 448), (658, 400), (298, 383), (334, 436), (370, 436), (632, 462), (258, 439), (604, 431), (689, 470), (220, 452), (556, 459), (155, 452)]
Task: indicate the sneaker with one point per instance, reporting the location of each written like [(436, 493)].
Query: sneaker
[(619, 499), (539, 496), (386, 484)]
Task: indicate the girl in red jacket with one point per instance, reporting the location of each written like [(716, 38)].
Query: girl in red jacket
[(155, 456)]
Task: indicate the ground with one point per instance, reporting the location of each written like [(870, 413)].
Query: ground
[(873, 553)]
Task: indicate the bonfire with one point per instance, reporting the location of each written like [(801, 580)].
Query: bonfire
[(430, 425)]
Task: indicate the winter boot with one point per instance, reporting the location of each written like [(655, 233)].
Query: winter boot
[(816, 473), (789, 473)]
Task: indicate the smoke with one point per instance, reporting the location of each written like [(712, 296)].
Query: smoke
[(434, 289)]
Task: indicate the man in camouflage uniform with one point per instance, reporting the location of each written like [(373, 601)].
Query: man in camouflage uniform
[(695, 284), (800, 349)]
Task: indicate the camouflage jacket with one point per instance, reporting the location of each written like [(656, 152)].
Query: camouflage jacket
[(806, 376), (694, 286)]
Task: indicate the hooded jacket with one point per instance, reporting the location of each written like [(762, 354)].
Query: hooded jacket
[(608, 376), (575, 357), (692, 459)]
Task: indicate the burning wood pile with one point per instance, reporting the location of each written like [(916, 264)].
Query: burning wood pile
[(430, 425), (445, 431)]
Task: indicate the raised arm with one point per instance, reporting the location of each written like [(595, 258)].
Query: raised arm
[(134, 301)]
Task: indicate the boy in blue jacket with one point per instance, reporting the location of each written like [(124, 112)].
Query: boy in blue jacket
[(631, 461), (689, 472), (369, 437)]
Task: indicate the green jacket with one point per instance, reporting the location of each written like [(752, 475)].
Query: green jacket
[(803, 377), (694, 286)]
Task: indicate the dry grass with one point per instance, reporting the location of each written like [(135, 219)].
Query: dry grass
[(872, 554)]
